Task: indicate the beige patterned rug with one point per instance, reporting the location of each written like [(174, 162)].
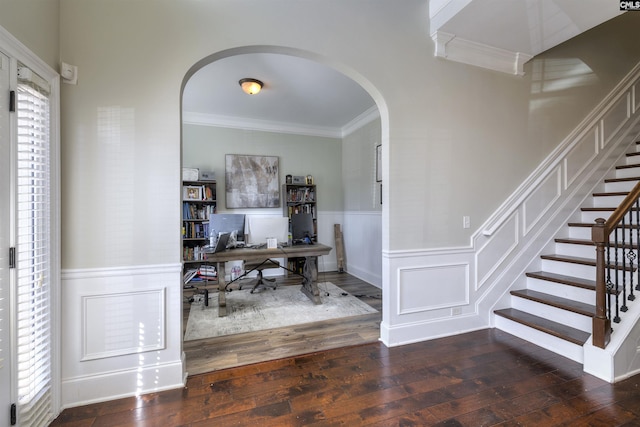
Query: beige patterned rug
[(270, 309)]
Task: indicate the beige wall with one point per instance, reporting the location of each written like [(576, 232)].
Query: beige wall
[(361, 191), (458, 144), (204, 147), (36, 24)]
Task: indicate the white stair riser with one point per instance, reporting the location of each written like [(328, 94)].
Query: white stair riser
[(580, 233), (578, 270), (544, 340), (628, 172), (626, 186), (574, 293), (569, 269), (631, 160), (589, 217), (574, 320), (582, 251), (607, 201), (587, 251)]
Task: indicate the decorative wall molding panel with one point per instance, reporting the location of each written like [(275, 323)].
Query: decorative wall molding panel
[(108, 319), (122, 330)]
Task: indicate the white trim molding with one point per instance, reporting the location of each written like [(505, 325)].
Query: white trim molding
[(457, 49)]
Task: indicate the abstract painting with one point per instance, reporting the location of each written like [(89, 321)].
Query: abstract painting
[(252, 181)]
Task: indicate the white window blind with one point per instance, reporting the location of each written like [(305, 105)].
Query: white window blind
[(33, 251)]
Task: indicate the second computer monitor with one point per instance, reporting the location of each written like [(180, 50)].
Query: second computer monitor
[(302, 226)]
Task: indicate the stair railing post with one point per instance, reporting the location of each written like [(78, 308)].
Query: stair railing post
[(601, 324)]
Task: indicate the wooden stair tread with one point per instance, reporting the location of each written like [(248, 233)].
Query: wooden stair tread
[(601, 209), (587, 242), (581, 261), (635, 165), (614, 193), (630, 178), (567, 333), (584, 242), (563, 279), (556, 301)]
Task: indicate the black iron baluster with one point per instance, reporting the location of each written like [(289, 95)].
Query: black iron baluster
[(631, 255), (609, 283), (624, 273), (616, 285)]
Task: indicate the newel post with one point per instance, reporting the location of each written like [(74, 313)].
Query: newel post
[(601, 324)]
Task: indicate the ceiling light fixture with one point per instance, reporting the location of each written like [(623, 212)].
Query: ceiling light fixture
[(251, 86)]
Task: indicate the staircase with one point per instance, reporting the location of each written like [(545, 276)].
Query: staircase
[(556, 308)]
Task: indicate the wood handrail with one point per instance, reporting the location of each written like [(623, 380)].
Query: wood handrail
[(622, 209), (600, 234)]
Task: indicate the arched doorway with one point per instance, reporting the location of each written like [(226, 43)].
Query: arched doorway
[(306, 110)]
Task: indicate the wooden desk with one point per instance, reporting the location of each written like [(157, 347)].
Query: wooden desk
[(310, 273)]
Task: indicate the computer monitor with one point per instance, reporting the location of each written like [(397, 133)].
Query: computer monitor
[(302, 227), (227, 223), (261, 228)]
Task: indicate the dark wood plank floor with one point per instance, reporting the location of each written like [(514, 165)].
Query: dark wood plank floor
[(483, 378), (211, 354)]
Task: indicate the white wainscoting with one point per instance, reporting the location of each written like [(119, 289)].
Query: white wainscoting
[(435, 293), (121, 332)]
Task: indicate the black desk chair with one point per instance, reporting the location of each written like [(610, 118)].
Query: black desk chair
[(260, 279)]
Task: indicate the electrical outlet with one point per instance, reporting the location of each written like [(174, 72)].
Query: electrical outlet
[(456, 311), (466, 222)]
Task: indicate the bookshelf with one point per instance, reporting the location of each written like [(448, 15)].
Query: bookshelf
[(300, 198), (198, 203)]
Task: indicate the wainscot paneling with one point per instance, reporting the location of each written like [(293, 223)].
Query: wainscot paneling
[(432, 287), (121, 332), (491, 254), (123, 323), (581, 156), (615, 118), (541, 200)]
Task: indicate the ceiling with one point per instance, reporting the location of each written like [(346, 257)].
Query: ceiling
[(299, 95), (504, 34), (305, 97)]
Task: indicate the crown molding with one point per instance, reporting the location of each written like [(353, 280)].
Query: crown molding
[(365, 118), (480, 55), (202, 119)]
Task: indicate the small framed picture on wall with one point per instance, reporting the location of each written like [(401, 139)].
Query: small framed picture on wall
[(191, 192), (378, 163)]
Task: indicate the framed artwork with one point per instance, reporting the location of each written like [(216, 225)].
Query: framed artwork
[(252, 181), (191, 192), (378, 163)]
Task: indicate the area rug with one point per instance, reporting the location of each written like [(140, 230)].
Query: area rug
[(268, 309)]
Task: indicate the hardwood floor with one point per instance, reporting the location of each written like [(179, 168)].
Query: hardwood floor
[(236, 350), (482, 378)]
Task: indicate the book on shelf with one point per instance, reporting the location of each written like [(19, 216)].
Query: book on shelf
[(189, 275)]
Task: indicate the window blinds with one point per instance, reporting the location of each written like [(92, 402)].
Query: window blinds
[(33, 250)]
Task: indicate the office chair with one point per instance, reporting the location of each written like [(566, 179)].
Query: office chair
[(260, 279)]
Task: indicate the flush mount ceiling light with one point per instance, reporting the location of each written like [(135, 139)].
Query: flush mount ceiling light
[(250, 86)]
